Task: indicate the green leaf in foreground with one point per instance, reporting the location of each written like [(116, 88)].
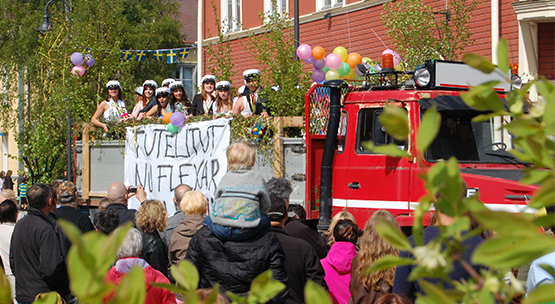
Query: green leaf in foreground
[(542, 294), (395, 121), (5, 290), (46, 298), (186, 275), (428, 129), (390, 150), (483, 97), (316, 294), (503, 56), (392, 235), (264, 288), (388, 261), (433, 294)]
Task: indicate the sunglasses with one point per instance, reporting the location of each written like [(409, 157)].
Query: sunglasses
[(113, 87)]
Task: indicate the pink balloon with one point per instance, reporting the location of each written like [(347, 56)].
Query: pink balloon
[(78, 70), (333, 61), (318, 76), (304, 51), (396, 56)]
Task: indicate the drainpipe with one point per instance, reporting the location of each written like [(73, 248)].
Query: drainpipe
[(329, 152), (494, 30), (199, 40)]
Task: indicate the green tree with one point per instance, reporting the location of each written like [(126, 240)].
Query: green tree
[(420, 32), (103, 28), (274, 50)]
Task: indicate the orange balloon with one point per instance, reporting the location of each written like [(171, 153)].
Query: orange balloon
[(167, 117), (318, 53), (354, 59)]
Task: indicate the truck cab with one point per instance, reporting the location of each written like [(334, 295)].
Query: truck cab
[(364, 182)]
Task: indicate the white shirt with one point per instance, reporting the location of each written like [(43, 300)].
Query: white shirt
[(114, 113)]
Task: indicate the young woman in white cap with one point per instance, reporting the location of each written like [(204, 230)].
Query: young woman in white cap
[(224, 103), (251, 103), (161, 108), (148, 99), (202, 103), (179, 101), (166, 82), (112, 108)]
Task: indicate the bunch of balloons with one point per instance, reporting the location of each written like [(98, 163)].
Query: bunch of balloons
[(174, 121), (81, 63), (339, 64)]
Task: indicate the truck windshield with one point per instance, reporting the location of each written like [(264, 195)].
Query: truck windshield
[(470, 141)]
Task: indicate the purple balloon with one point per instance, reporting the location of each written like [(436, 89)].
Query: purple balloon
[(309, 59), (319, 64), (89, 60), (304, 51), (77, 58), (177, 119), (333, 61), (318, 75)]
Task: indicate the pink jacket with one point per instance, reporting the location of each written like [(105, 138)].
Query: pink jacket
[(337, 265)]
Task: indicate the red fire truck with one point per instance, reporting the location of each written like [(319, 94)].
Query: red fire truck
[(346, 176)]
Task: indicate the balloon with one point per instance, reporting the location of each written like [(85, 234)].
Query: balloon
[(333, 61), (342, 52), (318, 75), (304, 51), (177, 119), (325, 69), (367, 60), (309, 59), (77, 58), (167, 117), (171, 128), (89, 60), (396, 56), (318, 53), (353, 59), (351, 75), (78, 70), (332, 74), (319, 64), (377, 67), (344, 69)]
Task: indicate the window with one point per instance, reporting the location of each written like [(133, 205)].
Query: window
[(370, 130), (273, 6), (325, 4), (187, 74), (231, 15)]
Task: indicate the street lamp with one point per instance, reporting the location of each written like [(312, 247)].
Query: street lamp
[(44, 28)]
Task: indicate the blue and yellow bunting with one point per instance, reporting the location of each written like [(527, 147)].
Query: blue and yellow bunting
[(172, 56), (158, 54), (183, 53), (141, 55), (126, 54)]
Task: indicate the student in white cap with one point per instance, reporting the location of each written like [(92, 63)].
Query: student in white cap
[(224, 103), (112, 108), (148, 99), (202, 103), (166, 82), (161, 108), (251, 103), (179, 101)]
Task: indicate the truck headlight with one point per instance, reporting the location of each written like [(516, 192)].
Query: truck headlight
[(422, 77)]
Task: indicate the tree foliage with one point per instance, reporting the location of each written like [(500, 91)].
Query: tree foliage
[(42, 62), (420, 32), (220, 61)]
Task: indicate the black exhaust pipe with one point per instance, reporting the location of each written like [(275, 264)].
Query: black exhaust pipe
[(329, 152)]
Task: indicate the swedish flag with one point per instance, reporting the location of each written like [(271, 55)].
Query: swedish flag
[(172, 56), (158, 54), (126, 54), (109, 52), (140, 56), (183, 53)]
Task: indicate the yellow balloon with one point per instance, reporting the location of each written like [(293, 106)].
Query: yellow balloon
[(332, 74), (342, 52), (367, 60)]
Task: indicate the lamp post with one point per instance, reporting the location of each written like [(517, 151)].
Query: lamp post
[(44, 28)]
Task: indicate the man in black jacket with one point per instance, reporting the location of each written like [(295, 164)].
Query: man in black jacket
[(67, 196), (36, 253), (119, 194), (301, 261)]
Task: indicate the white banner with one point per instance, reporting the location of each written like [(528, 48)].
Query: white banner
[(160, 161)]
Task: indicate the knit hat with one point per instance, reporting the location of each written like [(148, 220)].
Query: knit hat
[(112, 84), (176, 84), (150, 83), (208, 78), (166, 82), (223, 85), (162, 90), (66, 192)]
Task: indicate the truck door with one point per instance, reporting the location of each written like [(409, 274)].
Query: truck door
[(376, 181)]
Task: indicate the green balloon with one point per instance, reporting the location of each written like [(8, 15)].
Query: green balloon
[(325, 69), (172, 128), (344, 69)]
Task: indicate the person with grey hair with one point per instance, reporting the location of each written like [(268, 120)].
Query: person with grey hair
[(128, 257), (281, 187), (67, 197)]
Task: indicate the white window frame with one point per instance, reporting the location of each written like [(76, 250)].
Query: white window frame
[(269, 9), (179, 68), (321, 4), (236, 16)]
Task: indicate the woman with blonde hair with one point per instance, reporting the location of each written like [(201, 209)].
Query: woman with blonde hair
[(343, 215), (151, 220), (193, 205), (367, 288)]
